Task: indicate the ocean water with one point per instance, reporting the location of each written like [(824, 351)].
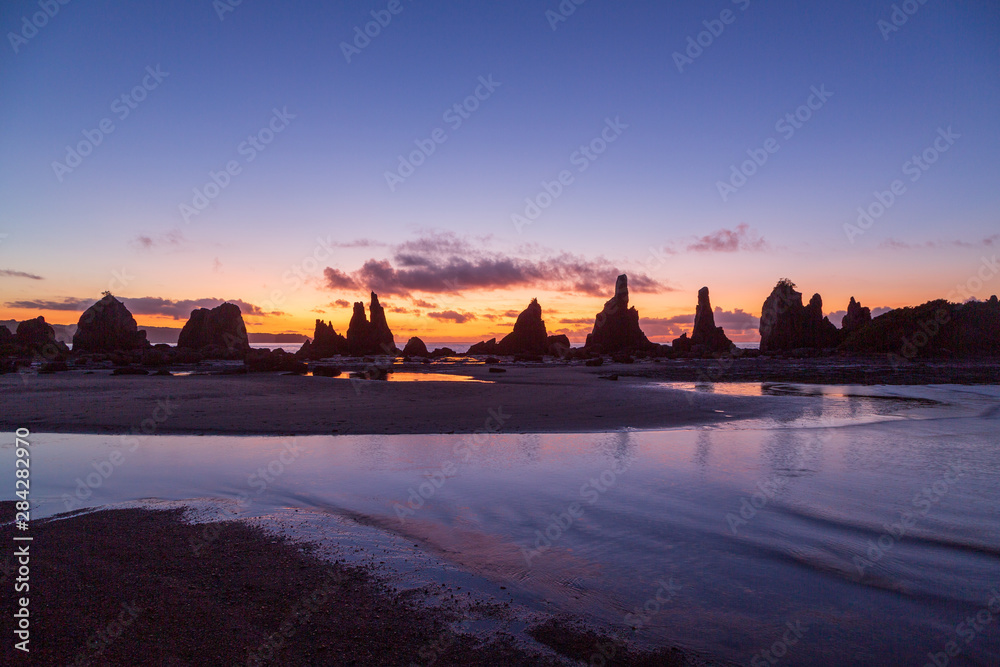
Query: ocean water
[(851, 525)]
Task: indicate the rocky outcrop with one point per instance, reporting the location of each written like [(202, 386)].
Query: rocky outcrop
[(108, 326), (933, 329), (485, 347), (364, 337), (528, 336), (785, 324), (705, 332), (616, 328), (326, 343), (32, 337), (557, 345), (221, 328), (855, 318), (415, 348)]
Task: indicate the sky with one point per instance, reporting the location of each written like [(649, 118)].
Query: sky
[(462, 158)]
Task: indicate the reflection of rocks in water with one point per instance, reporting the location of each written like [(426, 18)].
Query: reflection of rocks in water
[(373, 452), (794, 453), (620, 446), (702, 450)]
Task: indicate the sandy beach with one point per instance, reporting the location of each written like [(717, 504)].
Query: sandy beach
[(536, 398)]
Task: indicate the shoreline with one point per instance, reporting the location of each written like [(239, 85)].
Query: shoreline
[(252, 597), (525, 398)]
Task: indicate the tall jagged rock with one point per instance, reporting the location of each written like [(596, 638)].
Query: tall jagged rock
[(529, 335), (855, 318), (326, 342), (785, 324), (616, 328), (705, 332), (364, 337), (108, 326), (380, 333), (221, 327)]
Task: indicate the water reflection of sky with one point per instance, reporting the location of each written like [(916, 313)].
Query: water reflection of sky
[(656, 504)]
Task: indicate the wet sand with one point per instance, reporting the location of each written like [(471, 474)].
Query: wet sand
[(526, 398), (522, 400), (126, 587)]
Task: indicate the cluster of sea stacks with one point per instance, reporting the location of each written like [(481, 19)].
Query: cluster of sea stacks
[(108, 332)]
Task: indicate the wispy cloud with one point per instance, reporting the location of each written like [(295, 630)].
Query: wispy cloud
[(453, 316), (172, 240), (895, 244), (7, 273), (445, 263), (146, 305), (730, 240)]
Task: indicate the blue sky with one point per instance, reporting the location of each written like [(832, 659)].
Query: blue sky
[(655, 187)]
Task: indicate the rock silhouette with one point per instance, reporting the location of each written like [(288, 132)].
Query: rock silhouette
[(933, 329), (221, 328), (785, 324), (325, 343), (364, 337), (528, 336), (705, 332), (415, 348), (855, 318), (108, 326), (616, 328), (485, 347)]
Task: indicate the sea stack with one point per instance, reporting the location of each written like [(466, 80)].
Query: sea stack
[(855, 318), (326, 342), (785, 324), (705, 332), (364, 337), (220, 327), (528, 336), (108, 326), (616, 328)]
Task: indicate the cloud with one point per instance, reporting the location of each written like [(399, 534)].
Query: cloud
[(895, 244), (7, 273), (733, 321), (147, 305), (730, 240), (444, 263), (172, 240), (337, 279), (66, 304), (341, 303), (580, 320), (453, 316), (420, 303)]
